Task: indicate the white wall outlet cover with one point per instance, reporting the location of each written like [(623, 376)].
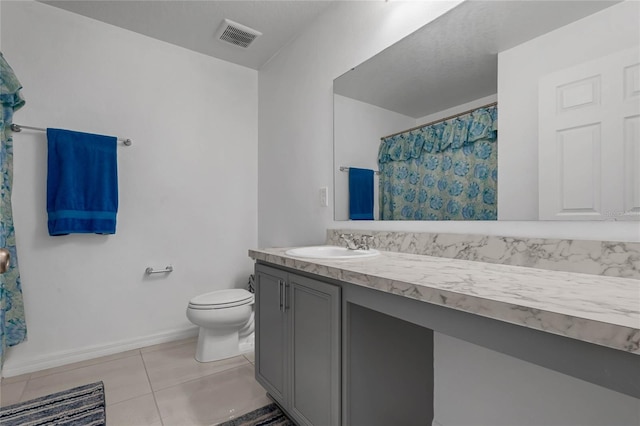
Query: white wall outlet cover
[(324, 196)]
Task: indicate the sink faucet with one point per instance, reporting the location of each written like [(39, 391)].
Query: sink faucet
[(361, 242), (348, 238)]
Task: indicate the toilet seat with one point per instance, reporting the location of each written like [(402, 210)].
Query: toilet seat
[(221, 299)]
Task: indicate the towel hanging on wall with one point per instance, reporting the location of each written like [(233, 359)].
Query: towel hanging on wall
[(82, 183)]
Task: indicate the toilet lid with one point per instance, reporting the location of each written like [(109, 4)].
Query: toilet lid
[(219, 298)]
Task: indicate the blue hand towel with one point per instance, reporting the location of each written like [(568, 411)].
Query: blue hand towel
[(360, 194), (82, 183)]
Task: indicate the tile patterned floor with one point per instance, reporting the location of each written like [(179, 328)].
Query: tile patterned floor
[(161, 385)]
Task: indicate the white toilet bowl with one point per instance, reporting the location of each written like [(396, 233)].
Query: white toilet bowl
[(224, 316)]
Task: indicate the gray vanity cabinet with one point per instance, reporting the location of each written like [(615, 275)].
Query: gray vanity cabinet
[(298, 337)]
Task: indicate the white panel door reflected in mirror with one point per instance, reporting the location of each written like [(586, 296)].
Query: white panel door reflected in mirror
[(479, 53)]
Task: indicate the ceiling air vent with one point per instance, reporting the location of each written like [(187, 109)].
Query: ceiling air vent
[(236, 34)]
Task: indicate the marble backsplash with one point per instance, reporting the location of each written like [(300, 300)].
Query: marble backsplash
[(610, 258)]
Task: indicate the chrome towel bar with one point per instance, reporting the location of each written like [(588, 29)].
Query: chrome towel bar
[(346, 169), (17, 128), (166, 270)]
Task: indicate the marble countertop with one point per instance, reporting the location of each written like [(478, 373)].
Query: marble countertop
[(595, 309)]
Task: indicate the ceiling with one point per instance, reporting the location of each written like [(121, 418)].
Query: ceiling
[(457, 51), (454, 60), (193, 24)]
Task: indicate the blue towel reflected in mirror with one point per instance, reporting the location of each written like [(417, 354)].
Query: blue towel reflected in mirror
[(360, 194)]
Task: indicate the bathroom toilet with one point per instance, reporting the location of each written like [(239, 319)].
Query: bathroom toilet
[(224, 316)]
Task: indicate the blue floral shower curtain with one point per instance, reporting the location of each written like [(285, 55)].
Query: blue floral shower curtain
[(13, 329), (446, 171)]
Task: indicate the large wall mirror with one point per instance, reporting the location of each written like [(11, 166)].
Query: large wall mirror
[(496, 110)]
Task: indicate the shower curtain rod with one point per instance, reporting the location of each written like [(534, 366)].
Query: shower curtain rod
[(18, 128), (440, 120)]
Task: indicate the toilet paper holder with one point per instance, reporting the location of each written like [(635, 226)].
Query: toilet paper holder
[(166, 270)]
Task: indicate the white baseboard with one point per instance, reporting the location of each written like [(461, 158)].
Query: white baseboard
[(43, 362)]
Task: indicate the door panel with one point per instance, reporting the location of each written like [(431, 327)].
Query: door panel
[(580, 182), (315, 351), (632, 165), (271, 335)]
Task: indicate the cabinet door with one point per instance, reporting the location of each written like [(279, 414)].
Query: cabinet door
[(314, 325), (271, 332)]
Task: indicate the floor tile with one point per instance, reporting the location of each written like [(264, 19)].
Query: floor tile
[(168, 345), (212, 399), (10, 393), (123, 379), (140, 411), (171, 366), (86, 363), (251, 357)]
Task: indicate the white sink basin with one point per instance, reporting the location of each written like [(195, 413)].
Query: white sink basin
[(331, 252)]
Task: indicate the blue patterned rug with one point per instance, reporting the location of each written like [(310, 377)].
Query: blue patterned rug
[(270, 415), (81, 406)]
